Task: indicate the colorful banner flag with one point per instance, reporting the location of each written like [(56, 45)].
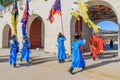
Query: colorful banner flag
[(56, 9), (14, 17), (25, 18), (75, 14), (82, 11)]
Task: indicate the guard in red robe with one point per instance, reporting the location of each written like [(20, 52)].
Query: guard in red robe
[(100, 43), (94, 47)]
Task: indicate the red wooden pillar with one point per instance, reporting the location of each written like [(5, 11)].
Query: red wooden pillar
[(78, 30), (78, 26), (9, 36)]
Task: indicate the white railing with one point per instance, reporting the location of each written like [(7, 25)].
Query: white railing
[(9, 8)]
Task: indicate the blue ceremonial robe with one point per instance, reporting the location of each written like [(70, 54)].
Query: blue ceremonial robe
[(77, 59), (13, 51), (61, 48), (25, 52)]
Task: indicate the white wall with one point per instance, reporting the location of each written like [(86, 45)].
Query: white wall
[(42, 8)]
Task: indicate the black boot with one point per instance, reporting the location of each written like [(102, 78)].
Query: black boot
[(28, 61), (21, 59), (60, 61), (90, 54), (63, 60), (100, 53), (93, 58), (14, 65), (83, 68), (71, 70)]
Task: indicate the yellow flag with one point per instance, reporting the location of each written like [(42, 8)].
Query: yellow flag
[(92, 25), (75, 14), (82, 11), (14, 17), (83, 8)]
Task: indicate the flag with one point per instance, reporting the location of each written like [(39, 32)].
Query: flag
[(14, 17), (83, 7), (56, 9), (75, 14), (82, 11), (25, 18), (92, 25)]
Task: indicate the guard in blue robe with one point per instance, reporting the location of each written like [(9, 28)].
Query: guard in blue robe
[(61, 48), (77, 58), (14, 48), (25, 52)]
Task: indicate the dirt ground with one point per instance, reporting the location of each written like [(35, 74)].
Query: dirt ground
[(44, 66)]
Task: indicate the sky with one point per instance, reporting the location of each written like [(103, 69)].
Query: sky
[(108, 25), (1, 7)]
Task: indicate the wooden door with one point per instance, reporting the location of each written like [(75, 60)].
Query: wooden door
[(35, 34)]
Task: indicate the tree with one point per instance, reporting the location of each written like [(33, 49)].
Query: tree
[(5, 3)]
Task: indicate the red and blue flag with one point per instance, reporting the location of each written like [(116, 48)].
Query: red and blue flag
[(56, 9), (25, 18)]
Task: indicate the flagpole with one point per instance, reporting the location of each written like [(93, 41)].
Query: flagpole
[(62, 24), (56, 9), (62, 21)]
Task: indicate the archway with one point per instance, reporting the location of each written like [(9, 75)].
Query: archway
[(35, 31), (97, 11), (111, 13), (6, 36)]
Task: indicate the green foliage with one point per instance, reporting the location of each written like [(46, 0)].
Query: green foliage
[(5, 2)]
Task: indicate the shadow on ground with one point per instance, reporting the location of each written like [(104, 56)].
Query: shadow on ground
[(4, 60), (38, 61), (98, 65)]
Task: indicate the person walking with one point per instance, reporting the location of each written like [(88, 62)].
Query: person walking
[(111, 43), (100, 44), (77, 58), (61, 48), (14, 48), (25, 52), (94, 46)]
